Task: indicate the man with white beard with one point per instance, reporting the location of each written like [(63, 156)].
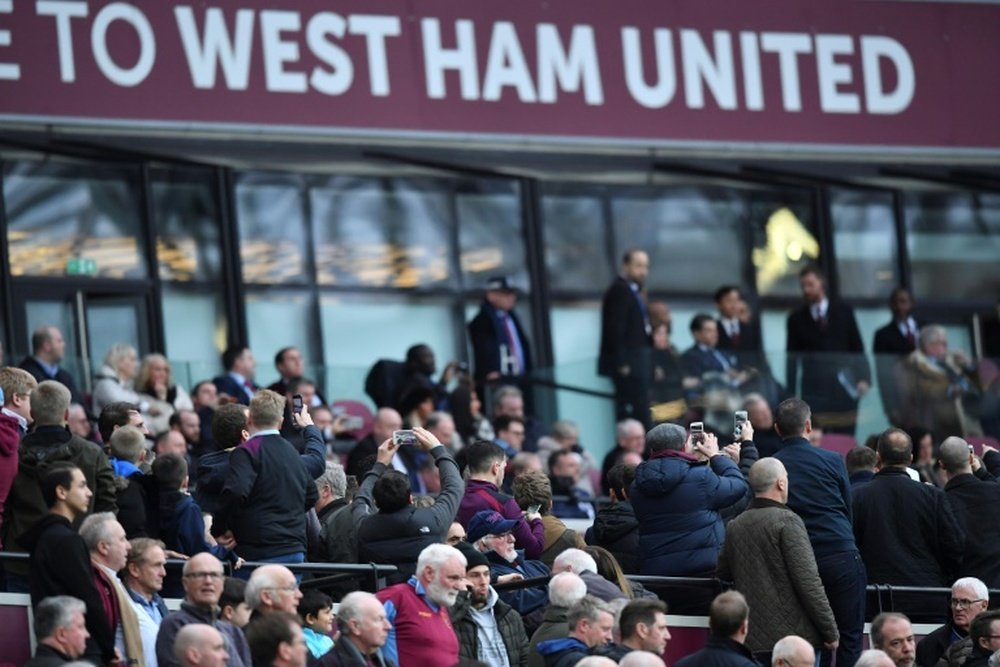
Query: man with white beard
[(417, 609)]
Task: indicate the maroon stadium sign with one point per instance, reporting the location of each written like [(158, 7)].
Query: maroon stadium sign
[(828, 74)]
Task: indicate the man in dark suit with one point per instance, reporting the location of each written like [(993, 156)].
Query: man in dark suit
[(736, 335), (823, 339), (704, 356), (237, 383), (626, 345), (48, 349), (500, 347), (893, 342)]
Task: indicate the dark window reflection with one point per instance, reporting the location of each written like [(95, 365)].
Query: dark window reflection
[(272, 229), (489, 236), (864, 235), (64, 219), (954, 240), (187, 225), (784, 240), (576, 255)]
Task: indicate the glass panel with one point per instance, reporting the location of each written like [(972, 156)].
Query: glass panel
[(954, 241), (784, 240), (360, 330), (66, 219), (576, 257), (864, 234), (689, 233), (490, 238), (272, 229), (113, 321), (187, 225), (385, 233), (277, 319), (195, 329), (60, 315)]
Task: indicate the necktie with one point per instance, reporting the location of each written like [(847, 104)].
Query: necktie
[(515, 345), (734, 335)]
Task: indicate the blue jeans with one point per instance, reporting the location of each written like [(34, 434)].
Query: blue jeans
[(844, 579), (299, 557)]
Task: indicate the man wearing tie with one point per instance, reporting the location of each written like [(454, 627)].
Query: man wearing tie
[(893, 342), (626, 344), (705, 357), (237, 383), (823, 339), (735, 335), (500, 347)]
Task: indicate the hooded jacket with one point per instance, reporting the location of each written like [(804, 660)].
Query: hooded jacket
[(617, 530), (509, 625), (677, 501), (563, 652)]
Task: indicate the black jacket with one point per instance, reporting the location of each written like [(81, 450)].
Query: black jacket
[(889, 346), (719, 652), (345, 654), (931, 648), (60, 565), (46, 656), (31, 365), (906, 532), (487, 338), (968, 497), (624, 341), (137, 505), (617, 530)]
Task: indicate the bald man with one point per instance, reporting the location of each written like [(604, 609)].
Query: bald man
[(768, 556), (793, 651), (200, 645)]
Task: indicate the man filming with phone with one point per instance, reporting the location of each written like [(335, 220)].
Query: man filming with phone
[(390, 528), (678, 496)]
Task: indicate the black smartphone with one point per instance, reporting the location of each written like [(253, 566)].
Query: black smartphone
[(297, 404)]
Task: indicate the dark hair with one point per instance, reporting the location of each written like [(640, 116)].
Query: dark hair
[(728, 612), (481, 455), (40, 337), (791, 416), (233, 592), (392, 491), (723, 291), (699, 321), (228, 424), (554, 458), (114, 414), (503, 422), (981, 626), (267, 632), (609, 568), (460, 401), (895, 448), (170, 471), (413, 353), (620, 477), (627, 255), (639, 611), (878, 623), (896, 291), (58, 474), (814, 270), (313, 602), (533, 488), (413, 397), (280, 356), (295, 384), (860, 458), (232, 353)]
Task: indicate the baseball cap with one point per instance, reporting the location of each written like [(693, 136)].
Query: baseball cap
[(488, 522)]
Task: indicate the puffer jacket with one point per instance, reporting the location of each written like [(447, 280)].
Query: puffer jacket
[(508, 623), (617, 530), (677, 501), (768, 556)]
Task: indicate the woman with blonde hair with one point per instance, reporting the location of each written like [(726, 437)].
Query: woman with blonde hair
[(113, 383), (155, 383)]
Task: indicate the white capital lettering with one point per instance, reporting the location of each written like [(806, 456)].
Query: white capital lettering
[(123, 76), (375, 30), (753, 88), (719, 74), (340, 76), (505, 65), (63, 10), (831, 74), (659, 94), (8, 71), (277, 52), (568, 69), (216, 46), (788, 46), (877, 100), (437, 59)]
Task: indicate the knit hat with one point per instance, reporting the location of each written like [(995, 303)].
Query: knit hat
[(488, 522), (473, 556)]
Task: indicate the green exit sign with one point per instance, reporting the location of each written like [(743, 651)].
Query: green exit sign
[(78, 266)]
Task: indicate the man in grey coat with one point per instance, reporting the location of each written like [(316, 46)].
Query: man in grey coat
[(768, 556)]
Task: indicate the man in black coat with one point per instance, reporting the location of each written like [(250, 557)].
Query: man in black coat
[(728, 624), (500, 347), (823, 339), (47, 350), (735, 335), (893, 342), (626, 345), (906, 531), (615, 527), (973, 502)]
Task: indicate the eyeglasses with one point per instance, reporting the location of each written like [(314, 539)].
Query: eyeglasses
[(214, 576), (963, 604)]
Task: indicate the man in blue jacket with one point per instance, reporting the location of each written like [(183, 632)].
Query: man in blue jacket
[(677, 497), (820, 493)]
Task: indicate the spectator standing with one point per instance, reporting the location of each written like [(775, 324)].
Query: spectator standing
[(969, 497), (48, 349), (630, 437), (237, 383), (906, 532), (626, 344), (205, 397), (17, 386), (615, 527), (10, 440), (642, 626), (820, 493), (678, 499), (728, 626), (143, 576), (768, 557), (60, 630), (417, 610), (500, 346), (533, 490), (861, 463), (893, 634), (894, 342), (229, 430), (338, 541), (136, 492), (290, 366), (823, 340), (736, 336), (364, 630), (761, 418)]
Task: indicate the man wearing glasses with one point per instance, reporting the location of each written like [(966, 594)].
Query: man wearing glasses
[(969, 598), (985, 634), (203, 579)]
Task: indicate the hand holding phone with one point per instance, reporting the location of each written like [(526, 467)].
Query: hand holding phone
[(404, 437), (297, 403), (697, 432)]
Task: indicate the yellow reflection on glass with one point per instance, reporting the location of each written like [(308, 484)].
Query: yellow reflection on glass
[(788, 244)]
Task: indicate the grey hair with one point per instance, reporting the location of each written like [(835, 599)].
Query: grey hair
[(94, 529), (622, 427), (929, 334), (566, 589), (56, 612), (765, 473), (262, 579), (118, 353), (564, 428), (954, 454), (436, 555), (505, 392), (334, 477), (350, 607), (752, 399), (666, 436), (190, 636), (641, 659), (589, 608), (975, 584), (873, 657), (788, 647), (576, 559)]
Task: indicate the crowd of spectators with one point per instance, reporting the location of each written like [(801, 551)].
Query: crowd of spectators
[(510, 544)]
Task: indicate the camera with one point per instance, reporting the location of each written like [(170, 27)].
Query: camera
[(404, 437), (740, 420), (697, 432)]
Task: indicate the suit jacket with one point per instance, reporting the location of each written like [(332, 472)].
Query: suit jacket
[(824, 353), (890, 345), (487, 337), (697, 361), (624, 340), (31, 365), (227, 385), (749, 338)]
